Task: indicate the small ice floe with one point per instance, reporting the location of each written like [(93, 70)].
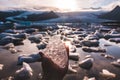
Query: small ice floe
[(86, 63), (20, 36), (10, 78), (88, 56), (35, 38), (13, 50), (42, 45), (40, 76), (113, 31), (107, 45), (117, 40), (77, 32), (1, 66), (78, 45), (108, 36), (24, 73), (102, 54), (74, 56), (31, 30), (76, 41), (82, 35), (75, 66), (10, 39), (90, 43), (86, 78), (98, 34), (10, 31), (71, 69), (116, 63), (107, 56), (88, 49), (107, 74), (9, 46), (72, 48), (91, 37), (104, 29), (28, 58)]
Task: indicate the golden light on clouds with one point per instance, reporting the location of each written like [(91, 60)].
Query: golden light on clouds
[(69, 5)]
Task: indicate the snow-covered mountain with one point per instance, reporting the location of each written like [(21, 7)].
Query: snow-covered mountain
[(83, 16)]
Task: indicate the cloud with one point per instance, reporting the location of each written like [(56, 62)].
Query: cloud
[(111, 5), (51, 3)]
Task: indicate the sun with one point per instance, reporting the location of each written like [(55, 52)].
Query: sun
[(69, 5)]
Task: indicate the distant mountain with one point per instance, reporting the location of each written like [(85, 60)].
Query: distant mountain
[(5, 14), (37, 16), (112, 15)]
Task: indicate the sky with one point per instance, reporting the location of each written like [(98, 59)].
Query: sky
[(68, 5)]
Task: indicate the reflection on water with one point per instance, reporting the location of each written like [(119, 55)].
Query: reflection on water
[(114, 49)]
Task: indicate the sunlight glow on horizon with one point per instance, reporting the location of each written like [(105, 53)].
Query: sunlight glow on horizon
[(70, 5)]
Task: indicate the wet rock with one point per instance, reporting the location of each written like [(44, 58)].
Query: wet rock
[(28, 58), (86, 63), (90, 43), (88, 49), (106, 74), (1, 66), (24, 73), (86, 78), (116, 63), (55, 55), (74, 56)]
